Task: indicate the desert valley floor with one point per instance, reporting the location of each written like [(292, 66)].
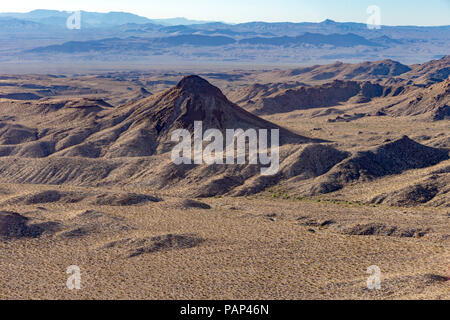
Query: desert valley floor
[(86, 180)]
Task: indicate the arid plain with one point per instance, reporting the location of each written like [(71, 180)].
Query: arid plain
[(86, 179)]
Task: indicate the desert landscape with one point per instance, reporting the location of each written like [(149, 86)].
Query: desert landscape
[(348, 198), (87, 180)]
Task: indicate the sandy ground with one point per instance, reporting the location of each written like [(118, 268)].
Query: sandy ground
[(274, 245), (248, 248)]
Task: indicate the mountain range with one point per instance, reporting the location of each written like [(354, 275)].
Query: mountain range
[(92, 19), (42, 35), (131, 143)]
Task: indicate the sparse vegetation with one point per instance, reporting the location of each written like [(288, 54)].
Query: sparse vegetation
[(89, 181)]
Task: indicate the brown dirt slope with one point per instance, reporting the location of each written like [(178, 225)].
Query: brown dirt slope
[(431, 103), (389, 159), (300, 98), (345, 71), (432, 190)]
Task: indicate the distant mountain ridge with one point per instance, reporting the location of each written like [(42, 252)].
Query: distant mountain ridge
[(118, 36), (103, 20), (93, 19), (339, 40), (147, 44)]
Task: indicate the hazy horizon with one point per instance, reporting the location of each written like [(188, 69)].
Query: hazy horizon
[(400, 13)]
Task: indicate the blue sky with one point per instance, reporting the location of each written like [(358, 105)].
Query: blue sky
[(393, 12)]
